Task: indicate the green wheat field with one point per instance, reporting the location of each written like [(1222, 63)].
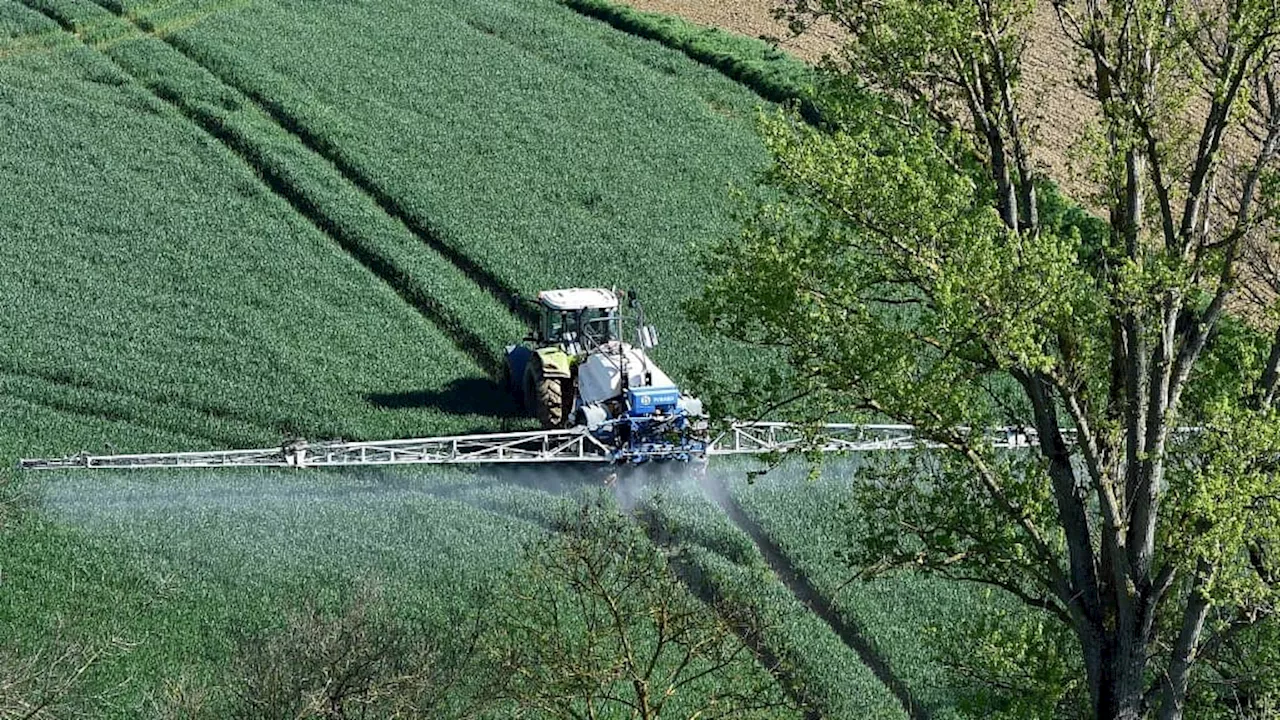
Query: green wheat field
[(225, 223)]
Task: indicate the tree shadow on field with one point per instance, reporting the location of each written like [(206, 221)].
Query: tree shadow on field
[(464, 396)]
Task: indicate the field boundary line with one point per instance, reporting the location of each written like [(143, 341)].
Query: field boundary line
[(374, 261), (641, 24), (810, 597), (499, 289)]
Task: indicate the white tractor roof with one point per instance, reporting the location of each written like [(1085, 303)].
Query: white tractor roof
[(578, 299)]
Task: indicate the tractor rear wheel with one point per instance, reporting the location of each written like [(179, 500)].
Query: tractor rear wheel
[(550, 397)]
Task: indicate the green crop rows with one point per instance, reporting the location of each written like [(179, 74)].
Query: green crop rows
[(182, 294), (224, 223), (603, 159), (902, 618), (830, 675)]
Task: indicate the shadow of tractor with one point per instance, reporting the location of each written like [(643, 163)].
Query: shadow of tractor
[(464, 396)]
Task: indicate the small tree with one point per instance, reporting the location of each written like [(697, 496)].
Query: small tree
[(52, 682), (362, 662), (910, 267), (600, 627)]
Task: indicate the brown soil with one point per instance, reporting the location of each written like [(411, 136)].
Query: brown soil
[(747, 17), (1060, 110)]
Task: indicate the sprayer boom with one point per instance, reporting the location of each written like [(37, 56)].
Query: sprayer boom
[(545, 446)]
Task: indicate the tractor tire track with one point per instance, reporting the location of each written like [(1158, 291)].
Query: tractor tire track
[(79, 410), (247, 423), (772, 662), (810, 597), (495, 286), (279, 183), (377, 263)]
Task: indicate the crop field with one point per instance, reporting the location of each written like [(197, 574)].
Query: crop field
[(225, 223), (181, 571), (902, 619), (481, 127)]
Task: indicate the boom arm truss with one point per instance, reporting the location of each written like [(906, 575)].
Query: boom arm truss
[(547, 446)]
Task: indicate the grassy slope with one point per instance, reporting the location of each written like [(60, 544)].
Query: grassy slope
[(152, 278), (184, 304), (548, 148)]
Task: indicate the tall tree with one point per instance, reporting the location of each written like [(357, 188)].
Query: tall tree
[(910, 265)]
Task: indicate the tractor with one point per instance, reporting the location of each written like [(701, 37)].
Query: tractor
[(576, 370)]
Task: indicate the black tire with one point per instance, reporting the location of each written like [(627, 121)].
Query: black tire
[(550, 397)]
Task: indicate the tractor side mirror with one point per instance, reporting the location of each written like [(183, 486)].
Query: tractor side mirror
[(648, 336)]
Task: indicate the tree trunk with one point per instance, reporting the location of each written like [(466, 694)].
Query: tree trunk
[(1122, 682)]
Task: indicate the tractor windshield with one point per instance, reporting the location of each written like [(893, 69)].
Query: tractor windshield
[(553, 324), (593, 326), (600, 325)]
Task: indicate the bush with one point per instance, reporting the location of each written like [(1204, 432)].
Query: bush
[(599, 624), (360, 661)]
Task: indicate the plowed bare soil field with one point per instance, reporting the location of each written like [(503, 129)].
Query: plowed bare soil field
[(1061, 109)]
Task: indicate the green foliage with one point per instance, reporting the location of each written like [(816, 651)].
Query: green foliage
[(907, 617), (1014, 664), (1253, 666), (721, 563), (903, 267), (887, 280), (361, 660), (1223, 509), (1230, 368), (601, 625)]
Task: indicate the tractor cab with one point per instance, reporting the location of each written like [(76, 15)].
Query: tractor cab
[(578, 319)]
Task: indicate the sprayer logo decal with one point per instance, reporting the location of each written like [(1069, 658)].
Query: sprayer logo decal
[(645, 400)]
